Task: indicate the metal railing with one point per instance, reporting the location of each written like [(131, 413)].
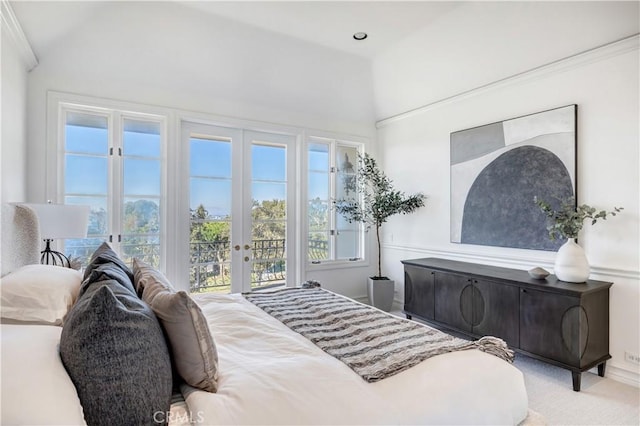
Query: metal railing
[(211, 263)]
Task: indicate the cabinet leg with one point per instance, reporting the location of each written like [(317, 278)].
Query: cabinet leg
[(408, 316), (601, 368), (576, 380)]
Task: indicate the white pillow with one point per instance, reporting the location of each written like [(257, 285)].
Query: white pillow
[(36, 389), (41, 294)]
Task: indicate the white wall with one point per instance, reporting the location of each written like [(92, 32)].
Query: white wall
[(166, 54), (481, 42), (13, 87), (605, 85)]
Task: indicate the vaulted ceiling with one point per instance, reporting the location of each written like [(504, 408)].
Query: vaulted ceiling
[(326, 23)]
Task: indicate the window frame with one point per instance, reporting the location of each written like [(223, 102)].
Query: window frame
[(58, 106), (333, 140), (174, 221)]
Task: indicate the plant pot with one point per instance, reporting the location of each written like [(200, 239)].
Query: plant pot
[(381, 292), (571, 263)]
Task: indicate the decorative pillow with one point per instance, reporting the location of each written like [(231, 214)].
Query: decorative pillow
[(114, 350), (36, 389), (115, 267), (193, 350), (39, 294)]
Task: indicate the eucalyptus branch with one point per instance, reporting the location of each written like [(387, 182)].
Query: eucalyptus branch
[(569, 219)]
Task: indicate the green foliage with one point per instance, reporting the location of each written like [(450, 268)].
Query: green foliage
[(569, 219), (379, 200)]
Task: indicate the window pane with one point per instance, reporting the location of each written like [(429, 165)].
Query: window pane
[(268, 163), (145, 248), (86, 133), (318, 157), (210, 158), (347, 164), (210, 254), (141, 216), (318, 216), (141, 177), (318, 185), (318, 246), (85, 175), (210, 204), (263, 191), (141, 138), (347, 245), (213, 195)]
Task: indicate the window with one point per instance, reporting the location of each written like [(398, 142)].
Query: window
[(112, 161), (331, 174), (216, 206)]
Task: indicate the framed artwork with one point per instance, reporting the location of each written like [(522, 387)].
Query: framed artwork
[(497, 170)]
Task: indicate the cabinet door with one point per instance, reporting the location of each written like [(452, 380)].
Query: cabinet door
[(553, 326), (418, 291), (453, 300), (495, 310)]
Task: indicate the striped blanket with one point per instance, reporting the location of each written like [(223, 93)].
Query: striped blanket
[(373, 344)]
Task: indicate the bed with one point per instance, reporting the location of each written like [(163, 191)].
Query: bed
[(265, 372)]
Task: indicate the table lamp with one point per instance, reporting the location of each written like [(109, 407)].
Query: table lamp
[(60, 221)]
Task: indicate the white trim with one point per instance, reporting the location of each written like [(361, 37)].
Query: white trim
[(595, 54), (518, 262), (11, 24), (624, 376)]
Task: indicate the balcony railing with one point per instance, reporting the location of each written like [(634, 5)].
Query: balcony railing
[(211, 263)]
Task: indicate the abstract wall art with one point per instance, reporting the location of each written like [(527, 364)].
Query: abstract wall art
[(497, 170)]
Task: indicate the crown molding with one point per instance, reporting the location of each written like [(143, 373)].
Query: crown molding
[(592, 55), (12, 28)]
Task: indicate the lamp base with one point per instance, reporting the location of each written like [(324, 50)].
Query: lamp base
[(52, 257)]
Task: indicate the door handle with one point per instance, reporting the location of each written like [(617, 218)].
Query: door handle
[(247, 246), (237, 247), (246, 258)]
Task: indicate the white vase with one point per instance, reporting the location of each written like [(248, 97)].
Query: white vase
[(571, 263)]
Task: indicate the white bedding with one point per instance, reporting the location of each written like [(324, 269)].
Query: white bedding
[(271, 375), (36, 389)]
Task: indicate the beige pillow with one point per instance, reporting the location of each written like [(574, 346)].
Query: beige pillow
[(192, 347), (40, 294)]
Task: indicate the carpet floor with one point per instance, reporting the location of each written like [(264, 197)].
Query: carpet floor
[(601, 401)]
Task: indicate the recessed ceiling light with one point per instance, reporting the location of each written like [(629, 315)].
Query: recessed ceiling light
[(360, 35)]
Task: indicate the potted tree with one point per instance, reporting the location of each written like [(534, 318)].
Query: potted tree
[(377, 201), (571, 263)]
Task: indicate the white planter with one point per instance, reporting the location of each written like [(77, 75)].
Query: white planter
[(571, 263), (381, 293)]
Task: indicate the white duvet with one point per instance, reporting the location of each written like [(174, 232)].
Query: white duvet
[(272, 375)]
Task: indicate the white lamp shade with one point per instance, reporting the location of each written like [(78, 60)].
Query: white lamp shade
[(61, 220)]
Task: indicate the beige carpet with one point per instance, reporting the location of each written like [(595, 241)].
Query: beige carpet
[(601, 401)]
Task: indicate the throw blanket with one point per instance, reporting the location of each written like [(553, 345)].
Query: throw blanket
[(373, 344)]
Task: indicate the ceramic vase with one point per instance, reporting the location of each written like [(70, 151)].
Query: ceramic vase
[(571, 263)]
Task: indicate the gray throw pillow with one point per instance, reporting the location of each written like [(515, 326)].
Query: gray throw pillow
[(114, 350), (192, 346)]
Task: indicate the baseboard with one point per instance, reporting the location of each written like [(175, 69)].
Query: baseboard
[(624, 376)]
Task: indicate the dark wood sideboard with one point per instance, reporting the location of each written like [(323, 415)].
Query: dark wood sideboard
[(561, 323)]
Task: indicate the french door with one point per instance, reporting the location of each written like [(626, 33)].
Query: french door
[(241, 197)]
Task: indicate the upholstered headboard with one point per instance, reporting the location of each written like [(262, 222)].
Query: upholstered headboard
[(20, 238)]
